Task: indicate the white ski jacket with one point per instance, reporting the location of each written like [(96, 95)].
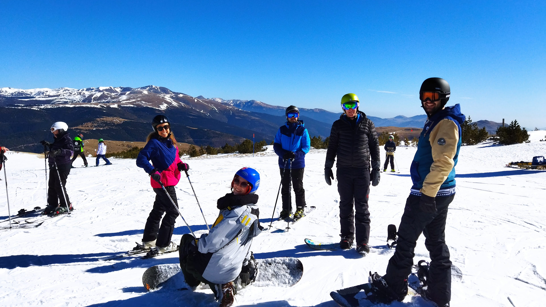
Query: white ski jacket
[(229, 241), (102, 149)]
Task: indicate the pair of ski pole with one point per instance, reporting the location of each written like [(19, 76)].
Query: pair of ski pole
[(279, 191), (177, 209)]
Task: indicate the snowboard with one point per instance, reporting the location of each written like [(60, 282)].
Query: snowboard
[(392, 237), (291, 220), (351, 297), (272, 272)]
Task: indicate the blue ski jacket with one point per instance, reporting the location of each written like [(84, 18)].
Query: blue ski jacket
[(295, 138), (433, 167)]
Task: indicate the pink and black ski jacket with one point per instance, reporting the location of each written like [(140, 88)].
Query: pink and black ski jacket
[(164, 156)]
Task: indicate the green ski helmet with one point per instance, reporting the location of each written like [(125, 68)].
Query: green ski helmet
[(101, 140), (349, 98)]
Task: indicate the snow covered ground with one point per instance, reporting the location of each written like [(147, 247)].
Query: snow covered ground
[(496, 232)]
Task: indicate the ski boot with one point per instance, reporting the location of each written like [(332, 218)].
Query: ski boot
[(346, 242), (363, 249), (299, 214), (285, 214)]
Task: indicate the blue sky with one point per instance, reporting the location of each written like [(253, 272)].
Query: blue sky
[(306, 53)]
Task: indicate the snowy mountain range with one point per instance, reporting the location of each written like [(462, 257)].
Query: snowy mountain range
[(198, 120)]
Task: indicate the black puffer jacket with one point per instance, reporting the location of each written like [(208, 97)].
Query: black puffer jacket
[(354, 143), (65, 144)]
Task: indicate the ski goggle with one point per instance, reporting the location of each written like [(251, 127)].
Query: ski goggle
[(391, 138), (433, 96), (160, 128), (292, 115), (242, 184), (350, 105)]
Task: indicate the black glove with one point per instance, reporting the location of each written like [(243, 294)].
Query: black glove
[(427, 204), (289, 155), (183, 167), (45, 143), (156, 176), (54, 153), (328, 175), (375, 177)]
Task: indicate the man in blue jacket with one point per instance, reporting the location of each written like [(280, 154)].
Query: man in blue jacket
[(433, 176), (291, 144)]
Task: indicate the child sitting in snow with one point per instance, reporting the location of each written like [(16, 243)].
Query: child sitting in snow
[(223, 255)]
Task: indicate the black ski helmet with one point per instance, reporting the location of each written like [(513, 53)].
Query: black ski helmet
[(436, 85), (292, 109), (159, 119)]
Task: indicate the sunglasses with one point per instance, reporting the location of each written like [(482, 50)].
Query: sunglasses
[(242, 184), (160, 128), (292, 115), (350, 105), (433, 96)]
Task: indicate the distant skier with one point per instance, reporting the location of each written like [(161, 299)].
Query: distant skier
[(101, 153), (78, 149), (433, 176), (353, 140), (59, 154), (2, 151), (165, 169), (291, 144), (390, 148), (223, 255)]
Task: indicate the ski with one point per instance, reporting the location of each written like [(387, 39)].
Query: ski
[(23, 213), (152, 254), (392, 237)]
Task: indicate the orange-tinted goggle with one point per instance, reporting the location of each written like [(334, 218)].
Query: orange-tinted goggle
[(433, 96)]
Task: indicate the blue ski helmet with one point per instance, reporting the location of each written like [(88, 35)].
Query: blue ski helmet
[(250, 175)]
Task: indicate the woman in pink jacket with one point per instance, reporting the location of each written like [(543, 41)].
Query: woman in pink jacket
[(164, 170)]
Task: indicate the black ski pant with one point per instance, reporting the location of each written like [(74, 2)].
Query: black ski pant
[(162, 204), (79, 154), (294, 176), (432, 225), (192, 262), (56, 192), (353, 185), (389, 158)]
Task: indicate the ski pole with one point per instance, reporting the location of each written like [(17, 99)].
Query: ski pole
[(174, 204), (3, 161), (187, 175), (396, 164), (63, 190), (45, 169), (280, 184), (289, 185)]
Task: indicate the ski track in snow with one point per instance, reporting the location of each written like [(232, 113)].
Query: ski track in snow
[(496, 231)]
